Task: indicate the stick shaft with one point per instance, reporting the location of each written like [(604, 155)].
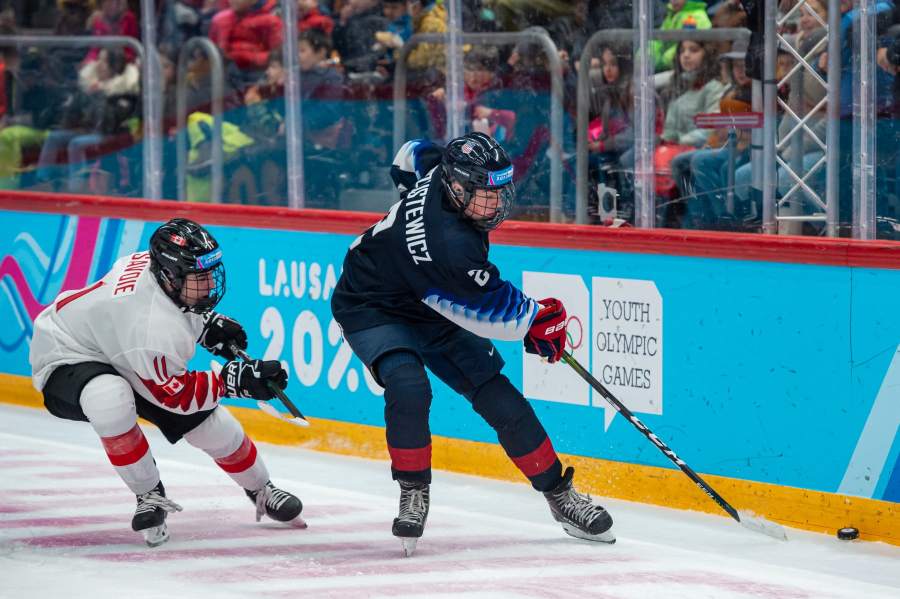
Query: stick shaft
[(624, 411)]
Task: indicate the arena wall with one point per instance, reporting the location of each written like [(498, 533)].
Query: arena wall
[(769, 364)]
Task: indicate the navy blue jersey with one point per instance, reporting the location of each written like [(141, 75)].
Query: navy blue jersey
[(423, 262)]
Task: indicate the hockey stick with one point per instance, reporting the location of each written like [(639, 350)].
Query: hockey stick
[(296, 416), (744, 518)]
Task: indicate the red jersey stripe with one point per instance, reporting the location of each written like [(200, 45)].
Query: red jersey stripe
[(182, 391), (61, 303)]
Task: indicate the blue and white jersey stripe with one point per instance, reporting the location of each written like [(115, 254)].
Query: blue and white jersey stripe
[(504, 313), (409, 155)]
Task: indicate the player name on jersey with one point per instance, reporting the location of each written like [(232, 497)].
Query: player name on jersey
[(415, 221), (126, 281)]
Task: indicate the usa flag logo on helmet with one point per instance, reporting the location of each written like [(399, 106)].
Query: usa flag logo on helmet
[(467, 147)]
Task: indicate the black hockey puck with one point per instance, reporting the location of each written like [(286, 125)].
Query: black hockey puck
[(848, 534)]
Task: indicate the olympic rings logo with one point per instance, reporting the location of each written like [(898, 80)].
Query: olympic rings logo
[(570, 337)]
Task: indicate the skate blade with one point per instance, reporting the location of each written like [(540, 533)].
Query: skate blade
[(298, 522), (156, 536), (604, 537), (409, 545)]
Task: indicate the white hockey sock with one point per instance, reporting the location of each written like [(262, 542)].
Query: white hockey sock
[(108, 403), (223, 438)]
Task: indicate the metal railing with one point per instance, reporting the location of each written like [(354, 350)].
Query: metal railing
[(218, 90), (505, 38), (151, 128), (645, 202)]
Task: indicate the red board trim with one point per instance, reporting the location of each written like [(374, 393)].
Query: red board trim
[(674, 242)]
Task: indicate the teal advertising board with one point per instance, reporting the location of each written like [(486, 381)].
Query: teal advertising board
[(782, 373)]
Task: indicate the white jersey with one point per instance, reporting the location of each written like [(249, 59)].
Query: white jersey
[(127, 321)]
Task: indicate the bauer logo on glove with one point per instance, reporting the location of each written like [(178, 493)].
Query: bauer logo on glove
[(547, 335), (250, 379)]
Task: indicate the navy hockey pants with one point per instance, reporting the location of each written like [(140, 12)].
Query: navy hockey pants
[(398, 354)]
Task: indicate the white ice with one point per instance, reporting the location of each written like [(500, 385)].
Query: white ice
[(65, 532)]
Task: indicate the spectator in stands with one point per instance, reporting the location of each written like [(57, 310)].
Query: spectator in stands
[(399, 28), (481, 94), (246, 34), (17, 135), (309, 16), (428, 16), (702, 175), (813, 18), (884, 101), (265, 103), (610, 131), (109, 89), (193, 18), (354, 34), (114, 18), (728, 14), (321, 90), (695, 89), (479, 17), (72, 17), (571, 32), (682, 14), (888, 54)]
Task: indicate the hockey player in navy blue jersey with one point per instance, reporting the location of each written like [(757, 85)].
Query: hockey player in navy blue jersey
[(418, 290)]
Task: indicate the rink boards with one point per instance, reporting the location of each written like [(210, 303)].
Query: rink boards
[(770, 364)]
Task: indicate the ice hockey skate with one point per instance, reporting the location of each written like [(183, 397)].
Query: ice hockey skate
[(410, 523), (150, 515), (579, 515), (278, 505)]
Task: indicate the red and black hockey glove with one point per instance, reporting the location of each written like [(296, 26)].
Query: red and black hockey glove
[(547, 335), (251, 379), (220, 333)]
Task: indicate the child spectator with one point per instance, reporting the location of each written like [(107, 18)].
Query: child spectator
[(310, 17), (399, 26), (682, 14), (695, 89)]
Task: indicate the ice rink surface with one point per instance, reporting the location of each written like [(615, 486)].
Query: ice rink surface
[(65, 532)]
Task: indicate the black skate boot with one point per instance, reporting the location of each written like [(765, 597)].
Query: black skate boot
[(410, 523), (150, 515), (278, 505), (579, 516)]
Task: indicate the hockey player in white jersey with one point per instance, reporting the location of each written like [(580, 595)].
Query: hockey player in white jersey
[(119, 349)]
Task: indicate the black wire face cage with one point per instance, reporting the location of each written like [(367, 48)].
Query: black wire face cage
[(480, 201), (201, 291)]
